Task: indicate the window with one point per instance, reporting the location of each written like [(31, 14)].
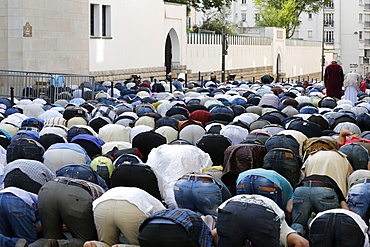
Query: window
[(310, 34), (360, 35), (94, 20), (366, 53), (329, 37), (244, 17), (330, 5), (106, 20), (244, 1), (328, 20), (257, 17), (360, 17), (309, 15), (100, 20)]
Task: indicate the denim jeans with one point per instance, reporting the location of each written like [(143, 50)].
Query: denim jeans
[(359, 198), (17, 220), (311, 199), (284, 162), (336, 230), (262, 186), (239, 222), (200, 196)]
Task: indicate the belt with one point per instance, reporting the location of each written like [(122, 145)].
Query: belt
[(203, 178), (69, 182), (316, 183)]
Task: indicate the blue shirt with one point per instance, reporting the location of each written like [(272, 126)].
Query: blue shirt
[(274, 177), (198, 231)]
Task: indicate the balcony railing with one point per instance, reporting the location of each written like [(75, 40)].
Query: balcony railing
[(329, 41), (329, 23)]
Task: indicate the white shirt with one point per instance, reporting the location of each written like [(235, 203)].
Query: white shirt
[(140, 198), (285, 230), (357, 218), (171, 162)]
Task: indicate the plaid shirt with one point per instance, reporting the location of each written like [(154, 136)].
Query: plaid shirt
[(198, 231), (95, 190), (34, 169), (104, 111)]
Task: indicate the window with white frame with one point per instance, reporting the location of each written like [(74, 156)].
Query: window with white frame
[(329, 37), (244, 17), (329, 20), (100, 20), (310, 16), (244, 1), (257, 16), (310, 35), (360, 17)]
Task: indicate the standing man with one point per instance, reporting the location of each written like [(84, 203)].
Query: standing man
[(333, 80), (351, 84)]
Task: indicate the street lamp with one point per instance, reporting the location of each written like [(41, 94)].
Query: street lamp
[(323, 43), (223, 45)]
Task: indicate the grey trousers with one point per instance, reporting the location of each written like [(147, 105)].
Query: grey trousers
[(62, 203)]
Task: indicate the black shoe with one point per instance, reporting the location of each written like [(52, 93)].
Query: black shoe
[(21, 243), (51, 243)]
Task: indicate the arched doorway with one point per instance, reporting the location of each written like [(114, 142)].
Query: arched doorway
[(278, 68), (172, 52)]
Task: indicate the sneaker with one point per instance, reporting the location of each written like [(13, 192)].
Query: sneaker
[(21, 243), (51, 243)]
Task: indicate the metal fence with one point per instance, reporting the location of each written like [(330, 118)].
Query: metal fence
[(48, 86)]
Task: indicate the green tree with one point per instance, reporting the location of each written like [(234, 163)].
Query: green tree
[(212, 21), (285, 13), (203, 4)]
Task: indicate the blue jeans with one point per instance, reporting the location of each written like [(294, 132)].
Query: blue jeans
[(335, 229), (262, 186), (311, 199), (197, 195), (17, 220), (359, 198)]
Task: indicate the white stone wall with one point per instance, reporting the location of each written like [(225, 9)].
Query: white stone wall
[(138, 35), (302, 57), (59, 41)]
